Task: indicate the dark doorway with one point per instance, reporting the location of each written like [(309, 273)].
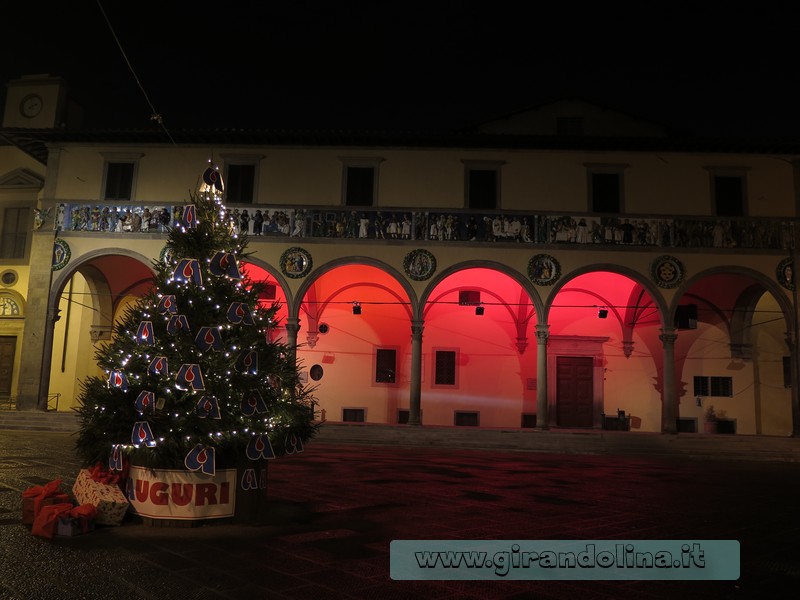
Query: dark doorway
[(574, 391), (8, 345)]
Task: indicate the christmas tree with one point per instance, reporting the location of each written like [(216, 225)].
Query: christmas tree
[(193, 379)]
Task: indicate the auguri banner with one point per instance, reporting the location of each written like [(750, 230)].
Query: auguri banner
[(178, 494)]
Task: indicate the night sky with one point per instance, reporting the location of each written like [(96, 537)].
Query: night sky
[(409, 66)]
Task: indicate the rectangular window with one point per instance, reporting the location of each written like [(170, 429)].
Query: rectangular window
[(462, 418), (268, 292), (605, 192), (482, 184), (119, 181), (354, 415), (445, 367), (701, 386), (722, 386), (726, 426), (240, 184), (482, 189), (360, 186), (569, 126), (787, 371), (686, 316), (728, 193), (469, 297), (16, 225), (385, 366), (713, 386)]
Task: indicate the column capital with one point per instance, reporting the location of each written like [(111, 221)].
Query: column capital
[(292, 325), (417, 327), (542, 333), (668, 336)]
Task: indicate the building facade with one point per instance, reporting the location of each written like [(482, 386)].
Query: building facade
[(559, 267)]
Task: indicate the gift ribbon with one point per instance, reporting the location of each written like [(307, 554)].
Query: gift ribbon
[(40, 492), (84, 511), (101, 475), (44, 491)]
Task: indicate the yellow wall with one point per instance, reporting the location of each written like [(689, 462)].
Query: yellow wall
[(70, 360), (655, 183)]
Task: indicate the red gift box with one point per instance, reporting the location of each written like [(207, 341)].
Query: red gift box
[(46, 521), (39, 496), (77, 521)]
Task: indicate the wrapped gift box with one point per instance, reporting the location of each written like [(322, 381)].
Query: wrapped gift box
[(46, 523), (109, 500), (69, 526), (77, 521), (37, 497)]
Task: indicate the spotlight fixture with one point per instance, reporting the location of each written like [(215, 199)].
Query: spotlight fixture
[(602, 313), (479, 311), (356, 308)]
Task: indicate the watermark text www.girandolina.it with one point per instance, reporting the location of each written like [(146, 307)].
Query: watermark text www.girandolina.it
[(621, 556), (688, 559)]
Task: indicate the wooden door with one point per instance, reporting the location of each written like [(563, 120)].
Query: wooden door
[(574, 391), (8, 345)]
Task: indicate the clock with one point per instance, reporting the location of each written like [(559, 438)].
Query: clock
[(31, 105)]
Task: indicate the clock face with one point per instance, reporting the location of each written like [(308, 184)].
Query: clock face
[(31, 105)]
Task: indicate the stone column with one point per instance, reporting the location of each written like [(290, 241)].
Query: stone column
[(669, 400), (37, 338), (415, 399), (793, 337), (795, 372), (542, 333), (292, 328)]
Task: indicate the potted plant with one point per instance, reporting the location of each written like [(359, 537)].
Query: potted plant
[(710, 420)]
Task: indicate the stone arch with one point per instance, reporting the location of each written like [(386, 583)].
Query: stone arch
[(319, 272), (523, 281), (359, 362), (605, 321), (111, 276), (95, 267), (282, 291), (651, 288), (736, 340), (769, 284)]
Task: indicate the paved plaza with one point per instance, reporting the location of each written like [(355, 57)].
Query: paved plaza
[(336, 507)]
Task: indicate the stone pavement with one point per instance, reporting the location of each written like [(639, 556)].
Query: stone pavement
[(336, 507)]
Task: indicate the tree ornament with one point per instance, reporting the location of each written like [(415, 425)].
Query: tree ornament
[(144, 334), (201, 458), (177, 323), (167, 305), (188, 271), (208, 338), (239, 312), (190, 377), (142, 435), (159, 366)]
